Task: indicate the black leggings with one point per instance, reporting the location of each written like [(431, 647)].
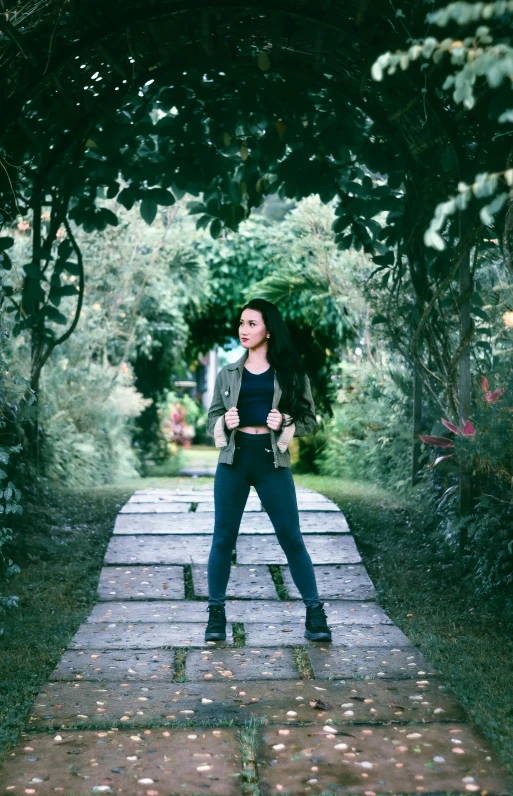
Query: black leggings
[(253, 464)]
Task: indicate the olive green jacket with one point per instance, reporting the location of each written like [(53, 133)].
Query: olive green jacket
[(226, 395)]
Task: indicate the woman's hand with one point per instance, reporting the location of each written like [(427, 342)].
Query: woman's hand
[(231, 418), (274, 419)]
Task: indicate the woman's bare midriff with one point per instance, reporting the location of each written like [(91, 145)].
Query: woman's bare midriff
[(255, 429)]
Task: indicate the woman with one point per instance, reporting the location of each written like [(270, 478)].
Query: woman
[(254, 434)]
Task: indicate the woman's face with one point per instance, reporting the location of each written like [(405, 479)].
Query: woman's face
[(252, 331)]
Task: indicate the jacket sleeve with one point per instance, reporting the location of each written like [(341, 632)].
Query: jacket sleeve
[(307, 423), (216, 411)]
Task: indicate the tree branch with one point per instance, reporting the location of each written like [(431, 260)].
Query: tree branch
[(81, 284)]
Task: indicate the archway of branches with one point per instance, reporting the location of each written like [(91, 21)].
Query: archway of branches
[(230, 102)]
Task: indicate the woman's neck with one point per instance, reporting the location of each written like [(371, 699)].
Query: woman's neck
[(257, 357)]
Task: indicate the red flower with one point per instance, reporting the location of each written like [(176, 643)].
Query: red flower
[(491, 397), (441, 442), (468, 429), (450, 426)]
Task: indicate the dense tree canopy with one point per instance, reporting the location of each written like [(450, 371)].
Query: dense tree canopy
[(229, 103), (234, 103)]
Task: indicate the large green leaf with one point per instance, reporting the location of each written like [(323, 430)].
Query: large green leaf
[(215, 228), (162, 197), (127, 198), (54, 315), (149, 209), (109, 217)]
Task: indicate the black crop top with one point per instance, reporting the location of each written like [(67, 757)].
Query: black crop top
[(255, 397)]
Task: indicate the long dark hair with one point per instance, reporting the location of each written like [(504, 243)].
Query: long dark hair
[(283, 357)]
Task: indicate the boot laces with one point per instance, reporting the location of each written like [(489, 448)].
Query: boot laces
[(318, 616)]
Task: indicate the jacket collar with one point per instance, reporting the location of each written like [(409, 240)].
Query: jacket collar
[(239, 364)]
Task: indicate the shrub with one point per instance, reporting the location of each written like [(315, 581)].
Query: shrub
[(88, 415), (180, 418), (483, 447), (369, 435)]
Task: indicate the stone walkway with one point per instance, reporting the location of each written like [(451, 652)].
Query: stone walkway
[(141, 705)]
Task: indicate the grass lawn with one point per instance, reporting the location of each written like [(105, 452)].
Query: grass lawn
[(467, 639), (63, 542)]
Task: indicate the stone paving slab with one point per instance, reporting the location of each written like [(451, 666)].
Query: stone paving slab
[(150, 611), (433, 758), (303, 505), (183, 549), (339, 612), (313, 505), (164, 507), (241, 664), (119, 666), (179, 549), (181, 504), (314, 497), (156, 508), (136, 583), (369, 664), (203, 523), (171, 497), (209, 490), (208, 505), (126, 762), (310, 522), (143, 635), (266, 635), (245, 581), (336, 580), (323, 549), (190, 490), (67, 704)]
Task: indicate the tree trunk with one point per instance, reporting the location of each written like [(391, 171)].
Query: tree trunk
[(464, 382), (31, 307), (417, 425)]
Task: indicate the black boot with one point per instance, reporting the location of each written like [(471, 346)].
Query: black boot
[(316, 625), (216, 628)]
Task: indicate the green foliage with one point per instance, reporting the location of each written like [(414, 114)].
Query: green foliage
[(100, 393), (247, 124), (10, 496), (476, 59), (294, 262), (8, 569), (89, 413), (182, 419), (236, 125), (369, 435), (483, 448)]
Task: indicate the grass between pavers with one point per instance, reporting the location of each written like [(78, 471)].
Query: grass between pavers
[(279, 583), (188, 582), (180, 661), (467, 638), (239, 634), (248, 751), (60, 543), (303, 664)]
